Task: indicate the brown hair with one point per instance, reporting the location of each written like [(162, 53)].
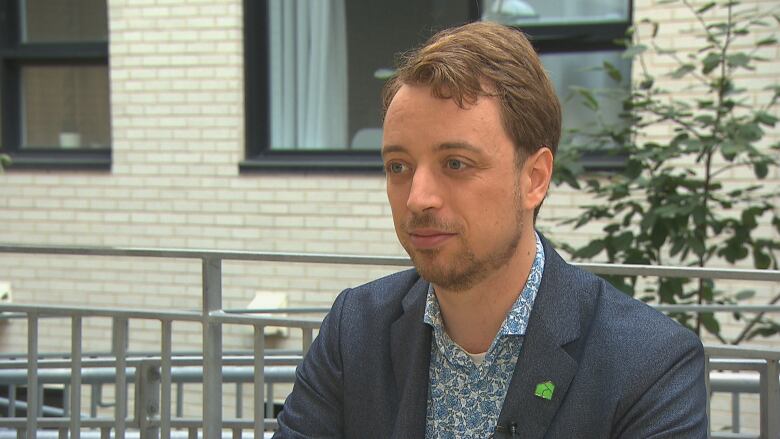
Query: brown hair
[(488, 59)]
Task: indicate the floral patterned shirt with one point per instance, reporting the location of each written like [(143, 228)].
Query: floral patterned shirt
[(465, 398)]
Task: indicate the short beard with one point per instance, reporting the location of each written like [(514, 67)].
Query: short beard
[(467, 270)]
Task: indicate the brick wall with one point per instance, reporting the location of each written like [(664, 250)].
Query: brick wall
[(176, 80)]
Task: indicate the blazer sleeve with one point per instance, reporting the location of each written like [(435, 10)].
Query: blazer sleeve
[(314, 408), (674, 405)]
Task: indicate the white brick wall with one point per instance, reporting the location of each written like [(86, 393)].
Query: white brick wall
[(177, 106)]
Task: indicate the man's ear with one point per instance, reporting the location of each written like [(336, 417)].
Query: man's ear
[(537, 172)]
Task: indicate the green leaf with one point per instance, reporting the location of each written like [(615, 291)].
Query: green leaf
[(697, 246), (711, 62), (761, 260), (683, 70), (745, 294), (705, 8), (633, 51), (709, 322), (738, 60), (612, 71), (633, 168), (699, 215), (761, 169), (765, 118), (623, 241), (705, 119), (658, 234), (590, 100), (767, 42)]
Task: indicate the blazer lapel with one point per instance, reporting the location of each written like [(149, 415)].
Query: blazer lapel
[(410, 344), (556, 332)]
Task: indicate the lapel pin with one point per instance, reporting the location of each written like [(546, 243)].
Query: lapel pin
[(545, 390)]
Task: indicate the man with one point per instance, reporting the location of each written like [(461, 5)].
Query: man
[(492, 334)]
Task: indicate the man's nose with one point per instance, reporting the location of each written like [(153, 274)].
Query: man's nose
[(425, 191)]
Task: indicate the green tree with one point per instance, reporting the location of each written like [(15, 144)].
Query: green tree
[(669, 204)]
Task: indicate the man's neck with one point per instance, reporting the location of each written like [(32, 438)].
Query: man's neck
[(473, 317)]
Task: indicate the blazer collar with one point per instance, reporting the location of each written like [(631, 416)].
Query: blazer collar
[(556, 333), (410, 348)]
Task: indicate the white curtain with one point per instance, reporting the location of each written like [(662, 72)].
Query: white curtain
[(308, 63)]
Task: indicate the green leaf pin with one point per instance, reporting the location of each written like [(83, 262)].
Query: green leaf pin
[(545, 390)]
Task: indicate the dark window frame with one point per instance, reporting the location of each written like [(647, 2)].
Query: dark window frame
[(14, 55), (259, 157)]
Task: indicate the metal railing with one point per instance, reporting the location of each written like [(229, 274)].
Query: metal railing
[(160, 369)]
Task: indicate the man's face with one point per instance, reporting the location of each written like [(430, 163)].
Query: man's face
[(453, 186)]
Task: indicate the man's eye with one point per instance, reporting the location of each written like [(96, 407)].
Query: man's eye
[(395, 167), (455, 164)]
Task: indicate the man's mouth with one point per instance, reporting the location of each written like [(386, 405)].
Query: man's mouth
[(429, 238)]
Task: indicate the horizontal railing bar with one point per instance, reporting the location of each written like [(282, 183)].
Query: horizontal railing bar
[(52, 311), (323, 258), (47, 410), (233, 255), (742, 352), (148, 354), (58, 422), (295, 310), (108, 422), (130, 434), (735, 356), (716, 308), (62, 376), (730, 435), (692, 272), (738, 364), (720, 381), (181, 374), (287, 322), (250, 317), (275, 360), (733, 382)]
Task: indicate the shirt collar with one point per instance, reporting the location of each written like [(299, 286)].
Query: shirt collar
[(516, 320)]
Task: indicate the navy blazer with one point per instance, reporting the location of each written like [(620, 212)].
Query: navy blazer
[(620, 368)]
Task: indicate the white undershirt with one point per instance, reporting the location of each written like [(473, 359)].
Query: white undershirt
[(478, 359)]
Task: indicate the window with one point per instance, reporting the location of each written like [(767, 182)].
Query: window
[(315, 68), (54, 90)]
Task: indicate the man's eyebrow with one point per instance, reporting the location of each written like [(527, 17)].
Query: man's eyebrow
[(460, 145), (387, 149), (392, 148)]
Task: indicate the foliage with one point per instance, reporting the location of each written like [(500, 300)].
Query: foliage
[(669, 204)]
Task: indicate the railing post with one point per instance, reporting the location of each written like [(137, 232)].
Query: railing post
[(773, 399), (259, 380), (147, 398), (165, 372), (75, 378), (120, 338), (32, 375), (212, 349), (736, 426)]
